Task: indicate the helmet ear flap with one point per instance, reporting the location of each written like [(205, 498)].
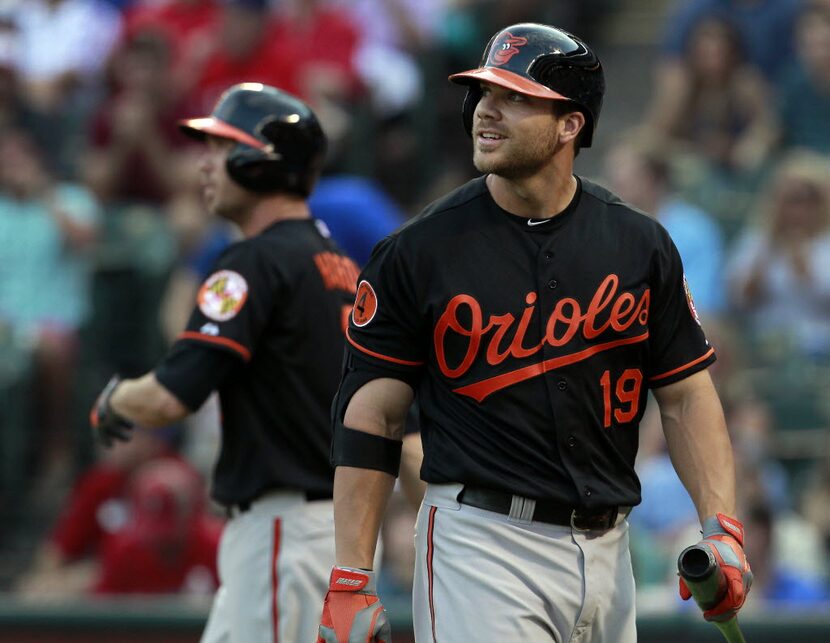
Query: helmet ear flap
[(469, 107)]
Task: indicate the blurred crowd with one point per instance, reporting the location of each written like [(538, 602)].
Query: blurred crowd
[(103, 243)]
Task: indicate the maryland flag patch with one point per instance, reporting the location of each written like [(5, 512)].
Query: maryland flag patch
[(222, 295)]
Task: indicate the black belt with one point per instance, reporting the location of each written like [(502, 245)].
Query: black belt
[(542, 511), (244, 505)]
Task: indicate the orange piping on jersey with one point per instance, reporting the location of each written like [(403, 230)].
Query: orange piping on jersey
[(223, 341), (684, 367), (394, 360), (482, 389)]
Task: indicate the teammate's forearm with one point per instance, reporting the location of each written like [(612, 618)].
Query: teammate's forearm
[(147, 403), (360, 498), (700, 449)]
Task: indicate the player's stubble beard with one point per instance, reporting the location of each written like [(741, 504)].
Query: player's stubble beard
[(231, 202), (518, 157)]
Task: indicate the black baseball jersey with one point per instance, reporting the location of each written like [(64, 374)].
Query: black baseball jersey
[(268, 334), (531, 343)]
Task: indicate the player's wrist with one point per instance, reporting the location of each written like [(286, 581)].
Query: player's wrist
[(723, 525), (352, 579)]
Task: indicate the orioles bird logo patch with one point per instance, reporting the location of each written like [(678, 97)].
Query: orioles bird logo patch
[(222, 295), (509, 47)]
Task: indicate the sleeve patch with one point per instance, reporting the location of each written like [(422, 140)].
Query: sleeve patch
[(690, 300), (222, 295), (365, 304)]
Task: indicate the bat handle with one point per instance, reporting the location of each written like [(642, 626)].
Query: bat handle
[(731, 631)]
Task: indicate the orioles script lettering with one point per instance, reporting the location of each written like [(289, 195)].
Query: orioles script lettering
[(502, 336)]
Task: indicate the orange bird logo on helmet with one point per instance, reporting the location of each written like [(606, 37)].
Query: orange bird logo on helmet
[(509, 47)]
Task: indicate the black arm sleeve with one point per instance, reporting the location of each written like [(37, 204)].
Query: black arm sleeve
[(191, 371)]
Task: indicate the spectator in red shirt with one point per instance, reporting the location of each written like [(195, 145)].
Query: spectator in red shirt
[(97, 507), (321, 42), (133, 138), (180, 21), (169, 544), (190, 27), (242, 51)]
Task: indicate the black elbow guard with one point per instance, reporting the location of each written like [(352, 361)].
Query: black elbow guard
[(352, 448)]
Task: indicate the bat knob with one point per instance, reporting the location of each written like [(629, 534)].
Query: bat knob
[(696, 563)]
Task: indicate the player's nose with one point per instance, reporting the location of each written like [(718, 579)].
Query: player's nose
[(206, 161), (487, 108)]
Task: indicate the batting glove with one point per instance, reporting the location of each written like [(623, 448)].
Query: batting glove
[(724, 536), (352, 611), (106, 423)]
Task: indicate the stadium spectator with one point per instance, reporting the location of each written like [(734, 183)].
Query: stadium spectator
[(357, 212), (640, 172), (169, 543), (815, 503), (804, 97), (321, 42), (793, 582), (133, 135), (397, 37), (96, 508), (185, 24), (715, 103), (241, 50), (61, 48), (759, 22), (15, 112), (779, 274), (47, 229)]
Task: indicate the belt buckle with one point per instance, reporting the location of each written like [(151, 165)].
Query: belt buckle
[(598, 522)]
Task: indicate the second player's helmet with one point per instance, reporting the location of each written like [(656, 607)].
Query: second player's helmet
[(280, 144), (539, 61)]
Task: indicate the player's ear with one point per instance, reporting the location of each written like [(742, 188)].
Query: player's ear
[(570, 125)]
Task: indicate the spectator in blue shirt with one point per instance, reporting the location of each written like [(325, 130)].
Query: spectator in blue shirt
[(357, 211), (47, 230)]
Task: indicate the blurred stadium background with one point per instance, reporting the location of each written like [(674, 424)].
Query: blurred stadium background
[(716, 121)]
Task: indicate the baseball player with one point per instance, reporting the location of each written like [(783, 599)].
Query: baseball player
[(530, 311), (267, 334)]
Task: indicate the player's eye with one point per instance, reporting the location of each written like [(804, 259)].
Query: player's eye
[(516, 97)]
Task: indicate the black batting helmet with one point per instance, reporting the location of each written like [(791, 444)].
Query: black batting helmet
[(539, 61), (280, 144)]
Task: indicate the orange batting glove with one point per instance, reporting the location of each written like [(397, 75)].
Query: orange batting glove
[(724, 536), (352, 611)]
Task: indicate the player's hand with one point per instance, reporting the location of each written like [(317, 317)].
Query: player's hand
[(107, 424), (352, 611), (724, 536)]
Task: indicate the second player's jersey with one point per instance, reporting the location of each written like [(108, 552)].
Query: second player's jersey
[(278, 302), (532, 344)]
